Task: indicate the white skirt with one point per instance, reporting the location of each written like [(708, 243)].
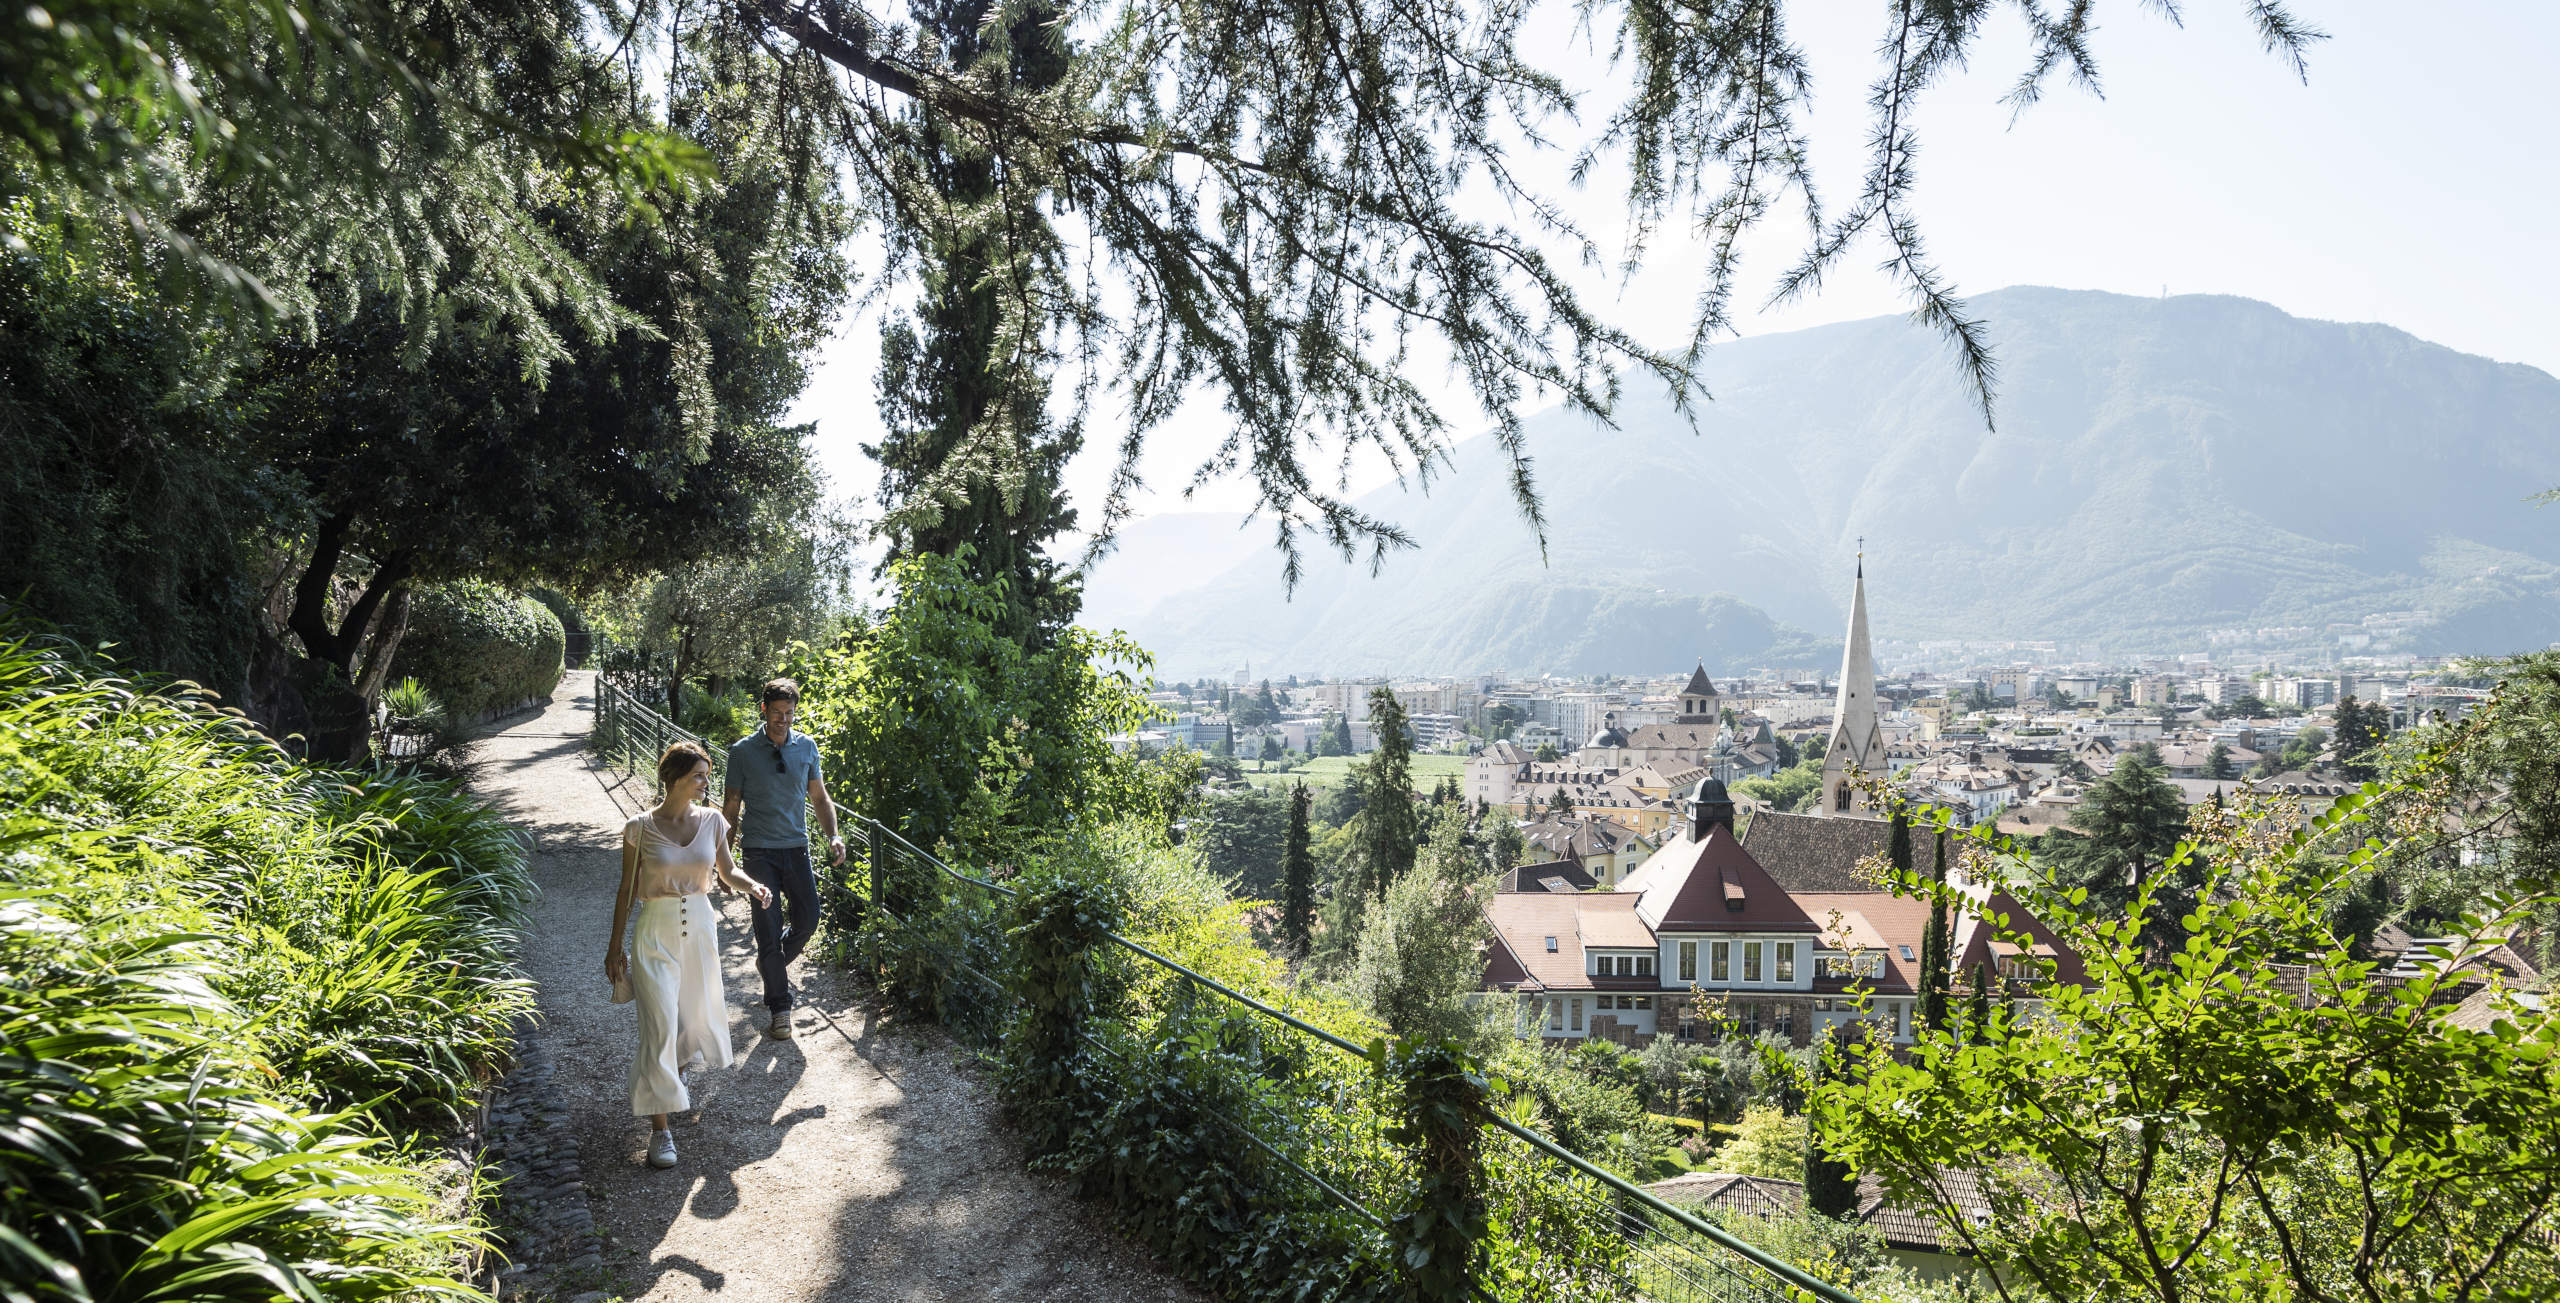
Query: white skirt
[(675, 984)]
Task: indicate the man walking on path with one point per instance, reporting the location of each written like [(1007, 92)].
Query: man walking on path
[(773, 773)]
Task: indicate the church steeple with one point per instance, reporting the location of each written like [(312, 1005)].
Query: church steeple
[(1857, 739), (1698, 701)]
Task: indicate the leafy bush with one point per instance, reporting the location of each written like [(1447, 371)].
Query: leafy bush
[(722, 719), (1159, 1098), (480, 648), (171, 868), (370, 922), (142, 1158)]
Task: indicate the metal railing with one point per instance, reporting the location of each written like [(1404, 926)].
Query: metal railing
[(630, 736), (949, 960)]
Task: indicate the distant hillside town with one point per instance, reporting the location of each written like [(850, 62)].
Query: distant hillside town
[(1695, 855), (2015, 741)]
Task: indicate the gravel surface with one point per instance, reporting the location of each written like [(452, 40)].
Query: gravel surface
[(855, 1162)]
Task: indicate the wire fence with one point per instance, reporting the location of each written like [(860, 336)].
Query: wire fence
[(1308, 1101)]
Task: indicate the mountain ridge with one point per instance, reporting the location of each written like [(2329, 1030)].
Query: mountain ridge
[(2159, 469)]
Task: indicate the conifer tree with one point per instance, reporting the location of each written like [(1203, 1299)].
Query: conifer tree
[(1935, 941), (1830, 1184), (2121, 836), (2217, 762), (1390, 827), (2361, 730), (1298, 875)]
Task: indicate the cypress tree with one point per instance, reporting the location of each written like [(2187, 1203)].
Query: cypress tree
[(1298, 875), (1934, 943), (1898, 848), (1830, 1187), (1389, 825)]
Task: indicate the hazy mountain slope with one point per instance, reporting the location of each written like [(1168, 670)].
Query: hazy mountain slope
[(1172, 553), (2160, 468)]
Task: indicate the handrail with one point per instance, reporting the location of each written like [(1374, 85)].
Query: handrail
[(1725, 1239), (1344, 1044)]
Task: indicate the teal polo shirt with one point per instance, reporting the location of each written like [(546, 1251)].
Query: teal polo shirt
[(774, 782)]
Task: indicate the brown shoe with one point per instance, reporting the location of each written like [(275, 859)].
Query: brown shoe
[(779, 1026)]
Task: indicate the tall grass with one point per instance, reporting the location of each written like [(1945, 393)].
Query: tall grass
[(255, 979)]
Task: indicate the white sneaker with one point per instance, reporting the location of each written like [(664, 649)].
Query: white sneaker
[(662, 1149)]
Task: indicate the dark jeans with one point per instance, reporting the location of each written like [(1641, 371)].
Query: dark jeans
[(783, 927)]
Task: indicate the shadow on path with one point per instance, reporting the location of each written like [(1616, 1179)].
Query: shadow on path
[(855, 1162)]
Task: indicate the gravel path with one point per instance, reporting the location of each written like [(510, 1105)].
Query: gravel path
[(854, 1163)]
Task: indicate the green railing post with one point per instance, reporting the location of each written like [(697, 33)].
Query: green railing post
[(1438, 1237)]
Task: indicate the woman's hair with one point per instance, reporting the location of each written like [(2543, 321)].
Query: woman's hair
[(679, 760)]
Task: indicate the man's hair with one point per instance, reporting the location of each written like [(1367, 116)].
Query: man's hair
[(679, 760), (779, 690)]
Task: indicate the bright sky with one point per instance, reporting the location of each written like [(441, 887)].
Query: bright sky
[(2405, 184)]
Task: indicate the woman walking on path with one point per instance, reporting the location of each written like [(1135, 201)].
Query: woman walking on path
[(669, 858)]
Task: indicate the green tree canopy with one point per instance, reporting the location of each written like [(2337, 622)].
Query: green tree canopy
[(2119, 843), (1390, 825), (2207, 1127)]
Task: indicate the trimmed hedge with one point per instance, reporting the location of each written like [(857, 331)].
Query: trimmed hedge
[(481, 648)]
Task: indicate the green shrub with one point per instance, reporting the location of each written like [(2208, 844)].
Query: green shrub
[(142, 1158), (722, 719), (1149, 1108), (480, 648), (169, 868), (559, 605), (369, 918), (410, 703)]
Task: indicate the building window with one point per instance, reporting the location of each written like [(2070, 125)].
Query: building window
[(1751, 961), (1644, 965), (1842, 801), (1901, 1020), (1641, 1001), (1551, 945), (1555, 1015), (1720, 962), (1577, 1014), (1906, 954), (1626, 965), (1688, 1023), (1747, 1016), (1688, 961), (1786, 961)]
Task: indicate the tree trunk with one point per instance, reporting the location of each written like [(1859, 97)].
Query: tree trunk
[(309, 620), (336, 699), (393, 626)]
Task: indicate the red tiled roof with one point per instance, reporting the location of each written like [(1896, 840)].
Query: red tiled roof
[(1524, 920), (1974, 937), (1712, 885)]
